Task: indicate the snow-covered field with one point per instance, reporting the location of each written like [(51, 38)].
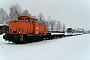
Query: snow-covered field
[(68, 48)]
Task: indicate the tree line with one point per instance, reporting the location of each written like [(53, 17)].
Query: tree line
[(15, 11)]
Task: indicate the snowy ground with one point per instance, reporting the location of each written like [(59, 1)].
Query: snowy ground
[(68, 48)]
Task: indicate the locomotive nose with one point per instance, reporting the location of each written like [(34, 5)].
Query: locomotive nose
[(16, 31)]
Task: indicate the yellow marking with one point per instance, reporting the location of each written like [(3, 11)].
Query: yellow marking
[(21, 37)]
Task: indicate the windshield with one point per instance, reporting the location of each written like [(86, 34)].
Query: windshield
[(27, 19), (22, 19), (69, 30)]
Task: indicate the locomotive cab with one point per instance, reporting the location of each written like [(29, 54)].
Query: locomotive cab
[(24, 25), (27, 19), (24, 18)]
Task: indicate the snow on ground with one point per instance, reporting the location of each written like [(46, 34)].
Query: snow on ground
[(68, 48)]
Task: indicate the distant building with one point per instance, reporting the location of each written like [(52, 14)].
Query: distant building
[(3, 28)]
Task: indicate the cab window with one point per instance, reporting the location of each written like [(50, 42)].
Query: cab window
[(27, 19), (22, 19)]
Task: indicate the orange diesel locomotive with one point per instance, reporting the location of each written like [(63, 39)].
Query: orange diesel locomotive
[(25, 29)]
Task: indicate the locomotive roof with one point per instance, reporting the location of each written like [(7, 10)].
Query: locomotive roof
[(29, 17)]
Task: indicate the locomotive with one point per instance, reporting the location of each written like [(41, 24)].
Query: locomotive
[(26, 29)]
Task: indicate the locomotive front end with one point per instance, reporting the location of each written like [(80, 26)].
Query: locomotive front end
[(17, 29)]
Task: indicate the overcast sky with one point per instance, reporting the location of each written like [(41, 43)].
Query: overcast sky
[(73, 12)]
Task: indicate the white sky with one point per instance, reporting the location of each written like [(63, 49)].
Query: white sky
[(73, 12)]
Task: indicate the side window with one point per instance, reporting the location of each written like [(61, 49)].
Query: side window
[(27, 19)]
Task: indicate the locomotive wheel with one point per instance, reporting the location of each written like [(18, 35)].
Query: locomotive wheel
[(34, 39), (17, 40), (40, 38), (28, 40)]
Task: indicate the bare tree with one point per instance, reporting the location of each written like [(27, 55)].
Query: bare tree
[(4, 18), (52, 24), (34, 16), (64, 27), (59, 26), (25, 13), (15, 11), (41, 18), (47, 23)]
